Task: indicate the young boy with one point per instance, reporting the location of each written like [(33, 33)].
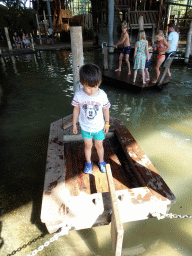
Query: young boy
[(124, 39), (91, 105)]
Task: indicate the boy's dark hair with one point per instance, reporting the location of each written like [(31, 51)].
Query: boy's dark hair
[(90, 75), (171, 25)]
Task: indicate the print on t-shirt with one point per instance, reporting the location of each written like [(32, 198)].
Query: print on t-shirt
[(90, 110)]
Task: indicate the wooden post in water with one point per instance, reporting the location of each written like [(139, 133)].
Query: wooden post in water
[(38, 27), (8, 39), (188, 45), (32, 43), (111, 23), (77, 54), (105, 59)]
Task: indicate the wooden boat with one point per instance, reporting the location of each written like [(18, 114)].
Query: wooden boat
[(131, 190)]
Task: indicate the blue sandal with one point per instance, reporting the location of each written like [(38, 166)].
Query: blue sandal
[(102, 167), (88, 168)]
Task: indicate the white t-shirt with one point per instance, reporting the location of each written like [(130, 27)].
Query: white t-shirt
[(173, 38), (91, 117)]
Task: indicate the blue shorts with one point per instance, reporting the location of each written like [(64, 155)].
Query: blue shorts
[(126, 50), (148, 63), (95, 135)]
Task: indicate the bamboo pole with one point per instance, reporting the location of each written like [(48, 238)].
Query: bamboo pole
[(188, 45), (77, 54), (8, 39)]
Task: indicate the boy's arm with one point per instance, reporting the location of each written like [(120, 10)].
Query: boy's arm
[(106, 117), (76, 111)]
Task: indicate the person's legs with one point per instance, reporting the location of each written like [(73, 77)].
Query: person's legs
[(120, 62), (100, 150), (134, 75), (128, 63), (147, 76), (157, 67), (143, 76), (87, 149)]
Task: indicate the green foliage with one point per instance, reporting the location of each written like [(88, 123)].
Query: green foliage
[(17, 18)]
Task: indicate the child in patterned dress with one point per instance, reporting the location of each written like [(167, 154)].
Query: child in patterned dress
[(141, 54)]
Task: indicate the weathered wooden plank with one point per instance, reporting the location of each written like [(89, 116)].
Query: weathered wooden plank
[(116, 224)]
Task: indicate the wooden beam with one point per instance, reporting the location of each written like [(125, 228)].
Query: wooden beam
[(116, 224)]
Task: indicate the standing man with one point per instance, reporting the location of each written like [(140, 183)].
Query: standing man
[(172, 39)]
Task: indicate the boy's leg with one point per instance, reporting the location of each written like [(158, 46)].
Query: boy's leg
[(120, 62), (100, 150), (88, 147), (128, 63)]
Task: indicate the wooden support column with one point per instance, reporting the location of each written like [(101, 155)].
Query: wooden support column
[(117, 231), (160, 14), (38, 27), (32, 43), (188, 45), (111, 23), (168, 17), (178, 20), (77, 54), (153, 34), (8, 39), (45, 23), (141, 23)]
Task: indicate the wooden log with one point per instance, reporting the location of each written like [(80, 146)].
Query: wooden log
[(188, 45), (8, 39), (116, 224), (164, 72), (77, 54)]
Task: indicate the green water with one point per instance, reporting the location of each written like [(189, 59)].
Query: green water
[(38, 90)]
